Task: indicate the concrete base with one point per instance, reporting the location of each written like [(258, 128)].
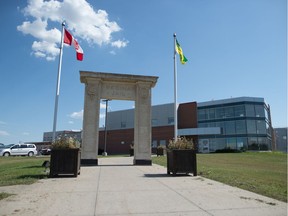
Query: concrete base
[(143, 162), (89, 162)]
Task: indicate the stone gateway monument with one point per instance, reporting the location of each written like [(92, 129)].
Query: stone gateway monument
[(99, 86)]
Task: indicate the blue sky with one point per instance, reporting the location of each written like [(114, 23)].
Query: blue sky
[(235, 48)]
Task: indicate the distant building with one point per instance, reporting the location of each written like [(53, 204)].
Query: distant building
[(47, 136), (281, 139), (242, 123)]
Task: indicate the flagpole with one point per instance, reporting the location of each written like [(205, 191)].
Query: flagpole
[(58, 83), (175, 93)]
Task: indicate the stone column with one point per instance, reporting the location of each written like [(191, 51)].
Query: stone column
[(89, 150), (142, 128)]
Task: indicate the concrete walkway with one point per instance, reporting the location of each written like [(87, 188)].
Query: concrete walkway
[(116, 187)]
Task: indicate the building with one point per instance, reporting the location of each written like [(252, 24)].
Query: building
[(242, 123), (48, 136), (245, 124), (281, 139)]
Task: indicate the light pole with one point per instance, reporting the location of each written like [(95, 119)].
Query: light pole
[(105, 135)]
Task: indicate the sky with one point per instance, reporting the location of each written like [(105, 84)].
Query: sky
[(234, 48)]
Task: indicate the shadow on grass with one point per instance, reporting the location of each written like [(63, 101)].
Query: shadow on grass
[(33, 176)]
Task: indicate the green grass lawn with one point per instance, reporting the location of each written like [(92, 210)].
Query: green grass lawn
[(21, 170), (262, 173)]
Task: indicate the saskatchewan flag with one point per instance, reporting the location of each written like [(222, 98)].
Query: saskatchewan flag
[(183, 59)]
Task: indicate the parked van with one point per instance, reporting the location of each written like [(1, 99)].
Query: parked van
[(19, 149)]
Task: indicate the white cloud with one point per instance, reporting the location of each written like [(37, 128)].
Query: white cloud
[(119, 43), (4, 133), (26, 133), (70, 122), (77, 115), (2, 123), (81, 20)]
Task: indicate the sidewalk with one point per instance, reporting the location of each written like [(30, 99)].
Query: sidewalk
[(115, 187)]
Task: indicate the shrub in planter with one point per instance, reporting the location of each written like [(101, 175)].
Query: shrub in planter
[(181, 157), (65, 157), (160, 150)]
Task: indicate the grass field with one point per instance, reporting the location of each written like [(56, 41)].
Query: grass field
[(262, 173), (21, 170)]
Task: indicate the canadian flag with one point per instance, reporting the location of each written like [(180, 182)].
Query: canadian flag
[(69, 39)]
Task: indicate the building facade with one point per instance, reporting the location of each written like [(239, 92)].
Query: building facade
[(281, 139), (245, 124), (242, 124)]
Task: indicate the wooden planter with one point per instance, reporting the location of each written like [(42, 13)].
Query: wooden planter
[(131, 151), (65, 162), (181, 161)]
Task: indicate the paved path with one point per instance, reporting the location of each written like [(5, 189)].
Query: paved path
[(118, 188)]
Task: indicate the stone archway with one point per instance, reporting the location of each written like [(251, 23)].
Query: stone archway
[(99, 86)]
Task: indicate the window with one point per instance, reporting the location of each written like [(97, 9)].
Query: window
[(123, 124), (239, 111), (250, 112), (242, 143), (212, 113), (170, 120), (219, 113), (261, 127), (229, 112), (259, 110), (240, 127), (154, 144), (252, 143), (230, 127), (202, 114), (231, 143), (251, 127), (163, 142)]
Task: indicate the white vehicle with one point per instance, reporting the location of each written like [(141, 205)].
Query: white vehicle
[(19, 149)]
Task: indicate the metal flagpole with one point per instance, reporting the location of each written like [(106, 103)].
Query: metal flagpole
[(175, 93), (58, 83)]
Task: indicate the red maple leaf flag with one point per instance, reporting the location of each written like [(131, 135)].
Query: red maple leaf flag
[(69, 39)]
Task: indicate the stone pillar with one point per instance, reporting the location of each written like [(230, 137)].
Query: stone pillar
[(142, 125), (90, 139)]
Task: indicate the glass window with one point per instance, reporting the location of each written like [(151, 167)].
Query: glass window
[(170, 120), (163, 142), (123, 124), (253, 144), (220, 143), (154, 144), (231, 143), (240, 127), (202, 125), (239, 111), (230, 127), (251, 126), (242, 143), (229, 112), (219, 113), (222, 126), (212, 113), (262, 142), (202, 114), (259, 110), (261, 127), (250, 112)]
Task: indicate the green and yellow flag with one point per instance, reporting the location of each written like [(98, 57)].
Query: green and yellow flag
[(183, 59)]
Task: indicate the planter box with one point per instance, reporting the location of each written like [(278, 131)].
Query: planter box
[(131, 152), (181, 161), (65, 162)]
